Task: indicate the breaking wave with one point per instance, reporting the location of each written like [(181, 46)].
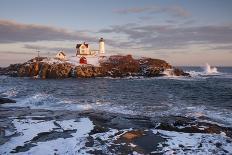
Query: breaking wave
[(49, 102), (210, 70), (206, 71)]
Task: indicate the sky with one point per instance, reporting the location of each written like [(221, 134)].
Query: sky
[(182, 32)]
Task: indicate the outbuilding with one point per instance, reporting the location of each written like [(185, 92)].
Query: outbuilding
[(83, 60), (61, 55)]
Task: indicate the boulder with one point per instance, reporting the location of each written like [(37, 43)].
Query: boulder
[(10, 70), (6, 100), (179, 72), (25, 70), (153, 67), (87, 71), (28, 69), (119, 66), (43, 70), (58, 71), (35, 70)]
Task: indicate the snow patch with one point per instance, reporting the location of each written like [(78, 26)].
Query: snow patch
[(193, 143), (28, 129), (75, 60)]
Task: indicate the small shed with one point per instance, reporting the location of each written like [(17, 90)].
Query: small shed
[(61, 55), (83, 60)]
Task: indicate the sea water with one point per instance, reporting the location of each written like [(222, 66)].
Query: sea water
[(206, 94)]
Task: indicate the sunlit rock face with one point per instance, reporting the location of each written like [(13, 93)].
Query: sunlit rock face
[(112, 66)]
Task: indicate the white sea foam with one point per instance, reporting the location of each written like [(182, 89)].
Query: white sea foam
[(207, 71), (49, 102), (11, 92), (117, 109), (38, 100), (169, 72)]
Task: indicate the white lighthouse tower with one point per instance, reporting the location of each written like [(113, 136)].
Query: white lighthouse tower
[(101, 46)]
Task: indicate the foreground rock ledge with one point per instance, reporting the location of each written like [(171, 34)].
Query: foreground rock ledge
[(112, 66)]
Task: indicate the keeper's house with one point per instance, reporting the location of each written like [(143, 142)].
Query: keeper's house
[(83, 49)]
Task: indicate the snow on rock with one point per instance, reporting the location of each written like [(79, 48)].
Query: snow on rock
[(193, 143), (29, 129), (74, 60), (53, 61)]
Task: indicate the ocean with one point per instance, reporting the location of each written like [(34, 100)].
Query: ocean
[(205, 96)]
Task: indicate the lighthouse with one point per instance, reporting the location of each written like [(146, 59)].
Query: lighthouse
[(101, 46)]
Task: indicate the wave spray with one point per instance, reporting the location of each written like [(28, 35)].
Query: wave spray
[(210, 70)]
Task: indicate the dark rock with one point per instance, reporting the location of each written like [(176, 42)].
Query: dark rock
[(89, 142), (155, 63), (28, 70), (87, 71), (218, 144), (43, 70), (23, 148), (52, 135), (98, 129), (200, 145), (188, 125), (119, 66), (96, 152), (225, 151), (228, 141), (6, 100), (179, 72), (58, 71), (180, 145), (10, 70)]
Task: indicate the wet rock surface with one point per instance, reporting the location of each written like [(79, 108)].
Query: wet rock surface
[(112, 66), (6, 100), (191, 125)]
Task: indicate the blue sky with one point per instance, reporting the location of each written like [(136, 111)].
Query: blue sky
[(182, 32)]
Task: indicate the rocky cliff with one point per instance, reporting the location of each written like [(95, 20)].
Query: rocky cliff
[(113, 66)]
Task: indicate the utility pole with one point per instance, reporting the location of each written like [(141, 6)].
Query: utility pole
[(38, 53), (48, 55)]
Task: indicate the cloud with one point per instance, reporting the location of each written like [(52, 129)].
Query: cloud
[(171, 36), (171, 10), (14, 52), (223, 47), (12, 31), (45, 48)]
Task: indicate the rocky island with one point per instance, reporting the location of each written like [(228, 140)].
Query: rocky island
[(111, 66)]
